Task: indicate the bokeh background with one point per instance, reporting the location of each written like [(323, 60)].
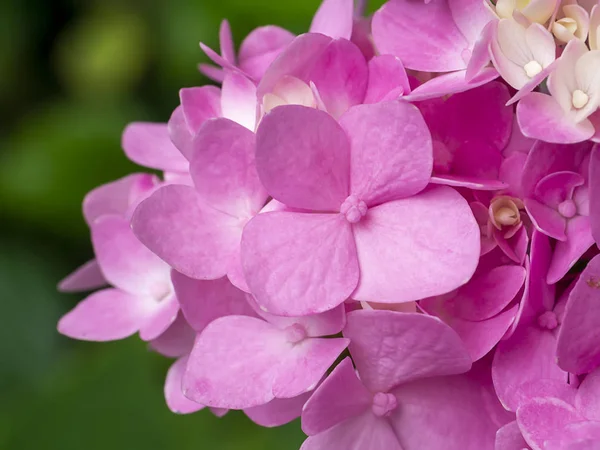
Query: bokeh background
[(73, 73)]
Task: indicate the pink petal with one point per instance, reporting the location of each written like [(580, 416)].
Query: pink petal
[(177, 340), (126, 262), (162, 317), (85, 278), (515, 247), (217, 59), (334, 19), (189, 235), (390, 148), (390, 348), (541, 117), (595, 193), (541, 296), (557, 187), (543, 418), (471, 17), (488, 293), (478, 115), (106, 315), (579, 334), (238, 100), (223, 169), (278, 411), (336, 67), (341, 75), (365, 432), (509, 437), (481, 337), (546, 158), (328, 323), (340, 397), (387, 79), (149, 145), (423, 35), (303, 158), (214, 73), (197, 106), (532, 84), (446, 413), (296, 60), (450, 83), (229, 350), (275, 245), (468, 182), (480, 56), (226, 42), (260, 48), (305, 365), (396, 240), (542, 388), (176, 401), (117, 197), (588, 397), (203, 301), (546, 220), (567, 253), (527, 356)]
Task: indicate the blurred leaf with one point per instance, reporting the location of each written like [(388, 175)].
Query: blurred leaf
[(55, 156), (109, 396), (104, 53)]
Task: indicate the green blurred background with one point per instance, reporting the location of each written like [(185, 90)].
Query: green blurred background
[(73, 74)]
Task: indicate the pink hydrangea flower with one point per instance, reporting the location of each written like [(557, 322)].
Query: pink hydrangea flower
[(556, 191), (568, 115), (283, 357), (402, 385), (360, 178)]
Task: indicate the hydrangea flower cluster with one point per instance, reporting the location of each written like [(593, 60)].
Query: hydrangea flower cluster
[(387, 226)]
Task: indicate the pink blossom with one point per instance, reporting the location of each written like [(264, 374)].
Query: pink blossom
[(404, 383), (212, 214), (360, 178), (555, 185), (281, 358)]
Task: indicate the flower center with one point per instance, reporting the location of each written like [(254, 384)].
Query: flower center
[(548, 320), (295, 333), (532, 68), (384, 404), (567, 209), (580, 99), (354, 209), (569, 24), (504, 212)]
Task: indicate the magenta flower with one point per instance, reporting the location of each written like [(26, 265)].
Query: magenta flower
[(333, 70), (369, 234), (482, 311), (469, 132), (555, 187), (236, 100), (569, 114), (438, 36), (594, 178), (402, 386), (197, 230), (557, 423), (142, 298), (263, 45), (282, 357), (530, 353), (578, 351), (257, 52)]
